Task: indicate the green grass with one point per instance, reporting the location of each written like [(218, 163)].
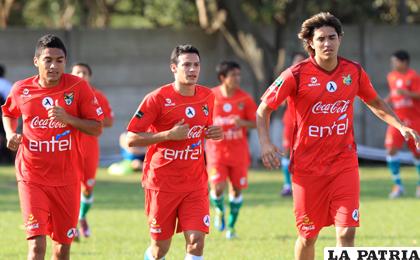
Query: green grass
[(266, 225)]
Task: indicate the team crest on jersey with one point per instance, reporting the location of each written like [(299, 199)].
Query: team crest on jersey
[(347, 80), (68, 98), (241, 106), (355, 215), (47, 102), (190, 112), (331, 86), (227, 107), (205, 109), (206, 220)]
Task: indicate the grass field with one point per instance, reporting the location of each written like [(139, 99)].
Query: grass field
[(266, 224)]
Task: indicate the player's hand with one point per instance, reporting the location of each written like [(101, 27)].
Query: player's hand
[(58, 113), (411, 133), (13, 141), (179, 131), (238, 122), (270, 155), (214, 132)]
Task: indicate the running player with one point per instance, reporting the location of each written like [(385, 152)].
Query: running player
[(404, 97), (324, 166), (55, 107), (287, 137), (173, 122), (90, 146), (234, 110)]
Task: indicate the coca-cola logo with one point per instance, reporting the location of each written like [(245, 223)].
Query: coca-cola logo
[(195, 131), (337, 107), (45, 123)]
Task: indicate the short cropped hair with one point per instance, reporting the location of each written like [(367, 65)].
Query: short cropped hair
[(224, 67), (82, 64), (182, 49), (49, 41)]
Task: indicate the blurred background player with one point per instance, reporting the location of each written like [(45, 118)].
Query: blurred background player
[(234, 110), (404, 97), (288, 126), (173, 122), (55, 107), (6, 155), (90, 148), (132, 161), (321, 91)]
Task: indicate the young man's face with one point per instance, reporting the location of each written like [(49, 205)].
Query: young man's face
[(81, 71), (398, 65), (51, 64), (187, 70), (232, 78), (325, 42)]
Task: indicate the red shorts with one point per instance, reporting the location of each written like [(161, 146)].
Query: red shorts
[(49, 210), (91, 162), (394, 139), (238, 175), (321, 201), (170, 211), (287, 130)]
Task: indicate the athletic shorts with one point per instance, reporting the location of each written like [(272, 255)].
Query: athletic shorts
[(168, 212), (321, 201), (50, 210), (91, 162), (238, 175), (394, 139)]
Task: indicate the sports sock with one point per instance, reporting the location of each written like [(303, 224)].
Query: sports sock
[(217, 202), (285, 167), (85, 204), (148, 255), (193, 257), (394, 166), (235, 204)]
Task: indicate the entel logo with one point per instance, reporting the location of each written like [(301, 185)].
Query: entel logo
[(338, 107), (50, 146), (37, 122), (192, 152), (328, 130)]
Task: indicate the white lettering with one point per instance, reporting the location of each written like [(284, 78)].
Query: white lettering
[(338, 107), (186, 154), (50, 146), (195, 131), (44, 123), (324, 131)]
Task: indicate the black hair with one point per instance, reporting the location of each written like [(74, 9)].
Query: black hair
[(49, 41), (2, 71), (402, 55), (182, 49), (224, 67), (82, 64)]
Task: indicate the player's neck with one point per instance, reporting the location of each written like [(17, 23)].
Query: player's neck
[(226, 91), (47, 84), (184, 90), (326, 64)]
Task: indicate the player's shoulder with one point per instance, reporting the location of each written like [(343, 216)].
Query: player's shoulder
[(203, 92), (241, 93), (349, 63), (71, 81), (25, 82)]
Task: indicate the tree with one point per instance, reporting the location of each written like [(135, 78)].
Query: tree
[(5, 7)]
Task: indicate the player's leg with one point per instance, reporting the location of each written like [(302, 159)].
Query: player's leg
[(36, 248), (194, 244), (416, 161), (60, 251), (305, 248), (194, 221), (393, 142), (157, 249), (218, 176), (345, 236)]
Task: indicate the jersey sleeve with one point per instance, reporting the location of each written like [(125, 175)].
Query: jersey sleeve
[(366, 91), (145, 115), (88, 105), (250, 109), (283, 87), (104, 103), (11, 107)]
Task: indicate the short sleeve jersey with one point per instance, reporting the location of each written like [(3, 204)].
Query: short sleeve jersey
[(233, 149), (321, 104), (405, 107), (175, 166), (50, 152)]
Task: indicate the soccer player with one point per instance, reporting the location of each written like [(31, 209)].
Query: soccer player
[(320, 92), (90, 148), (55, 107), (287, 138), (173, 122), (234, 110), (404, 97)]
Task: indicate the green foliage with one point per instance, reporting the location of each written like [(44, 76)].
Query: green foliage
[(265, 227)]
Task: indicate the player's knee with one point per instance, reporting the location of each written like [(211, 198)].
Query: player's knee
[(236, 192), (345, 236), (159, 251), (37, 249), (307, 242), (195, 245), (61, 251)]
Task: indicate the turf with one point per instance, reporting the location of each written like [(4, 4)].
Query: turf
[(265, 227)]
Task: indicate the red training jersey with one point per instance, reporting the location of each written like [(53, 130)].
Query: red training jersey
[(175, 166), (406, 108), (50, 150), (322, 106), (233, 149)]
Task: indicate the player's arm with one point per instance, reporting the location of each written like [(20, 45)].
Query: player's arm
[(269, 152), (108, 122), (178, 132), (408, 93), (245, 123), (90, 127), (13, 139), (380, 108)]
